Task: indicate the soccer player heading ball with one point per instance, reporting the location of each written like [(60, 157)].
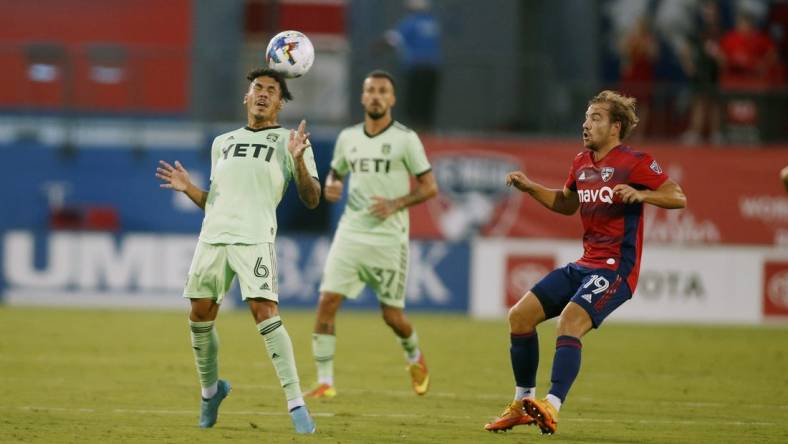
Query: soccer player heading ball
[(609, 183), (370, 246), (250, 169)]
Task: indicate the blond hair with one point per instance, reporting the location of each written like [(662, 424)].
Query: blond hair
[(622, 110)]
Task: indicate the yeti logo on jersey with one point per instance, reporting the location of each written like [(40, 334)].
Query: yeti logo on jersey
[(226, 151), (370, 165), (260, 270), (386, 148), (273, 137), (604, 194), (655, 167), (607, 173)]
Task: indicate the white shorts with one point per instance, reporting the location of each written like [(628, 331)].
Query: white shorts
[(215, 265), (351, 265)]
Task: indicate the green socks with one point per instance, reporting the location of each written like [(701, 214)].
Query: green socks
[(280, 350), (323, 349), (205, 344), (411, 347)]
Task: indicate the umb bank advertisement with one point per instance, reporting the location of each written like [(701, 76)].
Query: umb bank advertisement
[(72, 268)]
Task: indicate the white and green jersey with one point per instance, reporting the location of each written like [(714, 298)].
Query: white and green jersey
[(379, 165), (250, 171)]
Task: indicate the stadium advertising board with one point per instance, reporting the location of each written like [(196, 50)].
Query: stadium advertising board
[(775, 289), (149, 270), (734, 197), (687, 284)]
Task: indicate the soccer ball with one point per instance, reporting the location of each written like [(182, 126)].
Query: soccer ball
[(291, 53)]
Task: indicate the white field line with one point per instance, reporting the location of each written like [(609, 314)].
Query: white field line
[(504, 399), (376, 415)]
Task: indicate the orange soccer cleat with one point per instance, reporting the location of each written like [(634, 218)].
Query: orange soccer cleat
[(419, 376), (513, 415), (322, 391), (544, 413)]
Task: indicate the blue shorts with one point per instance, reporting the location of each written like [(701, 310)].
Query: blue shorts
[(598, 290)]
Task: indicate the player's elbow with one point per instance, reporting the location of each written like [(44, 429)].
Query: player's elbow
[(312, 200), (432, 190), (679, 200)]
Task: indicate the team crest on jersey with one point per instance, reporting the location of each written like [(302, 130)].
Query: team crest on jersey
[(273, 137), (385, 148), (473, 197), (655, 167), (607, 173)]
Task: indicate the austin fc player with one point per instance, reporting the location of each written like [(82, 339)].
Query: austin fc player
[(609, 183)]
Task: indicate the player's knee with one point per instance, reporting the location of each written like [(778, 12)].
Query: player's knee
[(390, 318), (522, 320), (574, 323), (329, 302)]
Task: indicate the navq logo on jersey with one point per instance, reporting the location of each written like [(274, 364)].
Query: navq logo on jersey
[(604, 194), (473, 194)]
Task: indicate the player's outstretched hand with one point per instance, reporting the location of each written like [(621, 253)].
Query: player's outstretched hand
[(174, 177), (628, 194), (519, 180), (333, 189), (299, 141), (382, 207)]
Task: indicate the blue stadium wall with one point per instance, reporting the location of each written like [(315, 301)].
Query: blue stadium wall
[(143, 263)]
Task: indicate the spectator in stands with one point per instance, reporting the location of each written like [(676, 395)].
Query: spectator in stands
[(417, 41), (639, 52), (750, 60), (701, 61)]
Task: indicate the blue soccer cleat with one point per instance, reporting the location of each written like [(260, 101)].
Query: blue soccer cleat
[(301, 420), (209, 408)]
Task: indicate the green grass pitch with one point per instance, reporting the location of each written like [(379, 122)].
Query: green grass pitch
[(100, 376)]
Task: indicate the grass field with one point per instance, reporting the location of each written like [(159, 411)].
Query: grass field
[(85, 376)]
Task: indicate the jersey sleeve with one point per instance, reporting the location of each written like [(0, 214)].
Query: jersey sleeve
[(415, 157), (338, 160), (571, 181), (647, 173)]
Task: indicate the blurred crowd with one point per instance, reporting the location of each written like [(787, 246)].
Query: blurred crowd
[(698, 67)]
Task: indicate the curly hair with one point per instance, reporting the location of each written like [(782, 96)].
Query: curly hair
[(622, 110), (276, 75)]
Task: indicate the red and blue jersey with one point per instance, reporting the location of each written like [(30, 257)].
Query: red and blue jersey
[(613, 230)]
